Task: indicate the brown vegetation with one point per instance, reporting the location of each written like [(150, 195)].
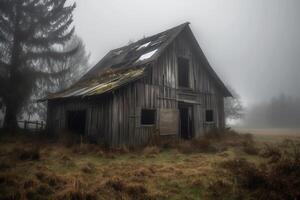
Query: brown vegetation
[(220, 165), (276, 179)]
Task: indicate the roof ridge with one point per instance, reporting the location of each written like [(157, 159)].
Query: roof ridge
[(172, 33), (147, 37)]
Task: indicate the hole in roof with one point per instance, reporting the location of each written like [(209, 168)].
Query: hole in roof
[(147, 55), (143, 46)]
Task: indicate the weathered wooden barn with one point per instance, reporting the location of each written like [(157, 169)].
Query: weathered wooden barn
[(160, 85)]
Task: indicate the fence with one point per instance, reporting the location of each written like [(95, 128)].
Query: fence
[(34, 126)]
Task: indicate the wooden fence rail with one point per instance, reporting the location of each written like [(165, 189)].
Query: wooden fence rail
[(32, 125)]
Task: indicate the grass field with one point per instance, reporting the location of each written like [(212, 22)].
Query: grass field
[(35, 168)]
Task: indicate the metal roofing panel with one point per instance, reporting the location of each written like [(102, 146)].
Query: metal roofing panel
[(96, 87)]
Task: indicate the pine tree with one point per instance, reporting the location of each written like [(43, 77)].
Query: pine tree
[(74, 67), (32, 33)]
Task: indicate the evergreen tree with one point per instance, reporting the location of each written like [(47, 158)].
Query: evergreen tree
[(74, 67), (32, 33)]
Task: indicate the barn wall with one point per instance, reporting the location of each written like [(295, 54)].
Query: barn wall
[(115, 119), (204, 91), (98, 116)]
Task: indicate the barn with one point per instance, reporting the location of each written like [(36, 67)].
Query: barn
[(160, 86)]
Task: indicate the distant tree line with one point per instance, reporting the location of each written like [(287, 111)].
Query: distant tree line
[(281, 111)]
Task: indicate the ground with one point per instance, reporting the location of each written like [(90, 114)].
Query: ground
[(35, 168)]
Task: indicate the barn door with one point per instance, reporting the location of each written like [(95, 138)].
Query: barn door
[(186, 121), (77, 121)]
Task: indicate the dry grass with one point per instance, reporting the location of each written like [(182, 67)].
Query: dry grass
[(174, 169), (274, 179)]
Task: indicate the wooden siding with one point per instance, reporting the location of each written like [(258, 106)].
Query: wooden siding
[(114, 119), (168, 121), (203, 91)]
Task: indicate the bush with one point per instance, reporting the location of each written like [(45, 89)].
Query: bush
[(275, 180), (245, 173), (249, 148), (272, 152)]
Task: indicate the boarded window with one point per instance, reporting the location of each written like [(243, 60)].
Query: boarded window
[(209, 116), (168, 121), (148, 116), (183, 72)]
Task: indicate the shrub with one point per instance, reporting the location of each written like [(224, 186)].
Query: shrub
[(249, 148), (245, 173), (271, 151), (276, 180)]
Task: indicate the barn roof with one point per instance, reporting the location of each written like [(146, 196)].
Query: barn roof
[(123, 65)]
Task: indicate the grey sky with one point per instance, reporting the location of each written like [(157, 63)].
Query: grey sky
[(253, 45)]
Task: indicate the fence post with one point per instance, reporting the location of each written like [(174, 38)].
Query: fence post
[(42, 125), (25, 124)]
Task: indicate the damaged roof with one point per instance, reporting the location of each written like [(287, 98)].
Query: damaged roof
[(123, 65), (120, 66), (137, 53), (110, 80)]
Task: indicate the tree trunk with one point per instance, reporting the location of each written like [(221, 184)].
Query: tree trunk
[(10, 120)]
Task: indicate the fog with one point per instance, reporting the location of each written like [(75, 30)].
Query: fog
[(254, 46)]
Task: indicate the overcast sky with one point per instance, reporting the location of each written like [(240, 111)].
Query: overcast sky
[(253, 45)]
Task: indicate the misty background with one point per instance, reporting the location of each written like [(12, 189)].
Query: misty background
[(253, 46)]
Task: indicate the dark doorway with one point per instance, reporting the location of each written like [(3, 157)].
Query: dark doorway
[(76, 121), (186, 121), (183, 72)]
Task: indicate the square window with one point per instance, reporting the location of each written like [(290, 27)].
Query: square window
[(209, 116), (148, 116)]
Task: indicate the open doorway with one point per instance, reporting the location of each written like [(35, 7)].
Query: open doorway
[(76, 121), (186, 120)]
